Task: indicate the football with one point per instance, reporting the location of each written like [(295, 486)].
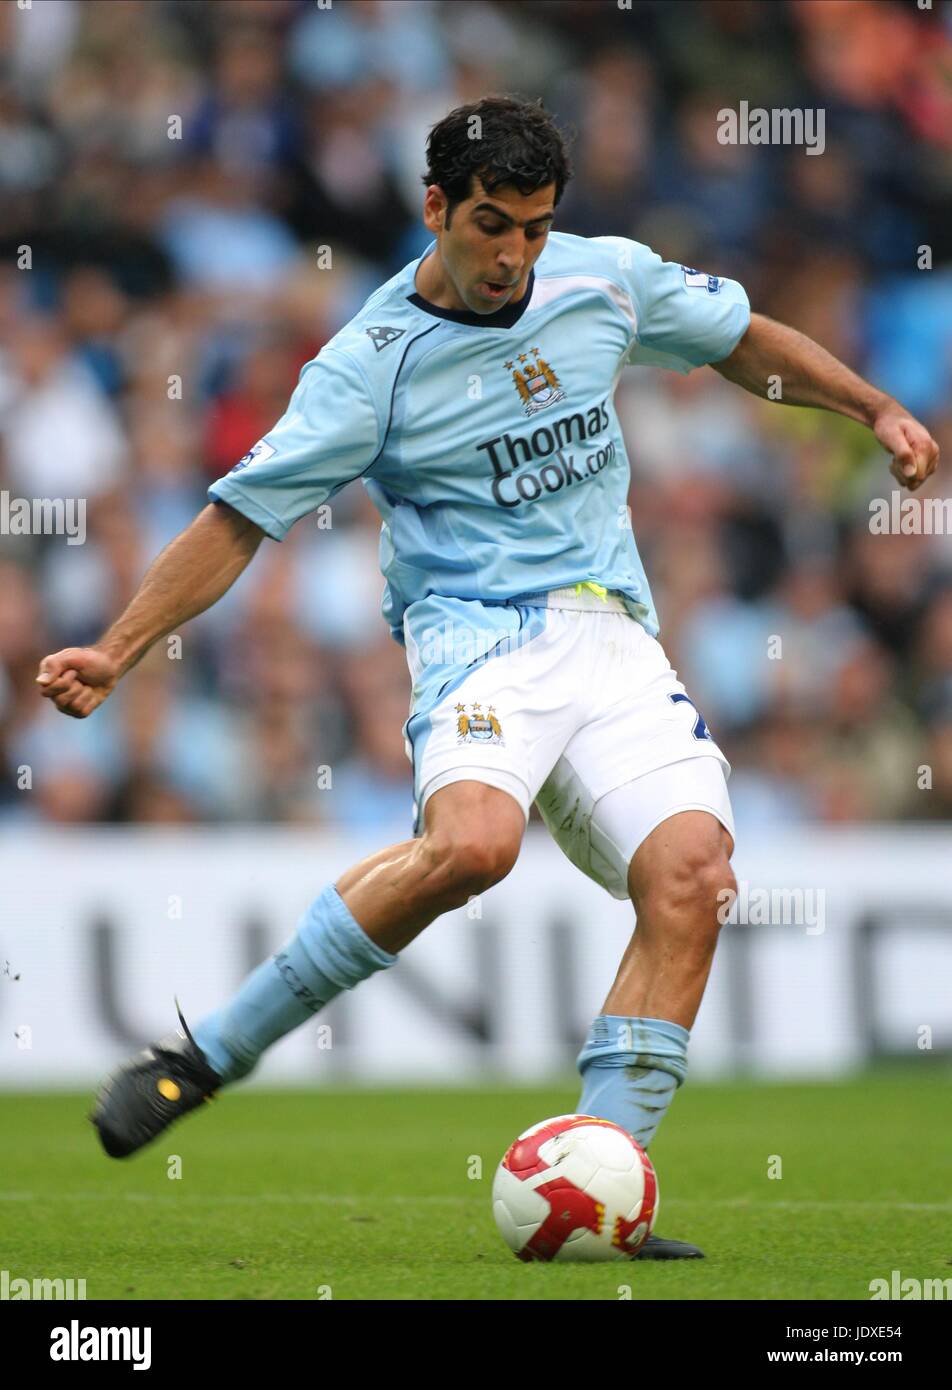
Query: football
[(575, 1188)]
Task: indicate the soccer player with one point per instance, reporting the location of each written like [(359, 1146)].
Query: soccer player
[(472, 395)]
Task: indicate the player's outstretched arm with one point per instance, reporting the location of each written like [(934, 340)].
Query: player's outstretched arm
[(809, 375), (190, 574)]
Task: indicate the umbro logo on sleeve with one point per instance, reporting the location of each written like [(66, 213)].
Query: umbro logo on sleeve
[(381, 337)]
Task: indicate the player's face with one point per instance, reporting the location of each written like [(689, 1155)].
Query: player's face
[(491, 244)]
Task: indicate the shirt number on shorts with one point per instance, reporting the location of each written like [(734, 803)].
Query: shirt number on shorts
[(700, 729)]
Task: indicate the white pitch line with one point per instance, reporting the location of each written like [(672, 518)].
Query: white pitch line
[(847, 1204), (220, 1199), (733, 1203)]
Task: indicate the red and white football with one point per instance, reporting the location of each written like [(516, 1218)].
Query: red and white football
[(575, 1188)]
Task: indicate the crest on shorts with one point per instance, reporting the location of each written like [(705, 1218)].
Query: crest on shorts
[(536, 382), (478, 727)]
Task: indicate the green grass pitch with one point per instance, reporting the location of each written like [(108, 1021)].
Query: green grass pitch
[(367, 1194)]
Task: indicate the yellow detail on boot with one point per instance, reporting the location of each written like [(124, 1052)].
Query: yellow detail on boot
[(169, 1089)]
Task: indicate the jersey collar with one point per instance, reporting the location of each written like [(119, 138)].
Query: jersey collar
[(502, 318)]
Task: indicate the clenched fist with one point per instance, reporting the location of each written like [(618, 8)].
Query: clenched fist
[(915, 453), (78, 679)]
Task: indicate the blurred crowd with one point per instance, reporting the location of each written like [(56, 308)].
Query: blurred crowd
[(172, 174)]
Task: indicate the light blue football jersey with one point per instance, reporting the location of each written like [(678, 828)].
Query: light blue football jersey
[(489, 443)]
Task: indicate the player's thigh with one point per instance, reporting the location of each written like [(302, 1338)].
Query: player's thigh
[(672, 831), (646, 735), (502, 725), (603, 835), (642, 719)]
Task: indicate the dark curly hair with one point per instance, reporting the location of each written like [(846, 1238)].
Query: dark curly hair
[(513, 141)]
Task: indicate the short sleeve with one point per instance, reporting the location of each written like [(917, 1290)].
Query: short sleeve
[(685, 317), (329, 435)]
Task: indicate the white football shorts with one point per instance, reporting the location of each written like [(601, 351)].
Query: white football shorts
[(588, 707)]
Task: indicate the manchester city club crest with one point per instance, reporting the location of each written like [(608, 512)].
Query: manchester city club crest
[(536, 382), (478, 727)]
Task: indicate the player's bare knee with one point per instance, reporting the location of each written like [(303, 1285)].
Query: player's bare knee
[(455, 869), (689, 894), (718, 889), (481, 863)]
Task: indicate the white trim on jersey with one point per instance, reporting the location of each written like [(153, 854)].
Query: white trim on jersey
[(550, 287)]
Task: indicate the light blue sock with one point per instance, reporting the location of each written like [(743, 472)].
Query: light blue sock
[(631, 1068), (330, 952)]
